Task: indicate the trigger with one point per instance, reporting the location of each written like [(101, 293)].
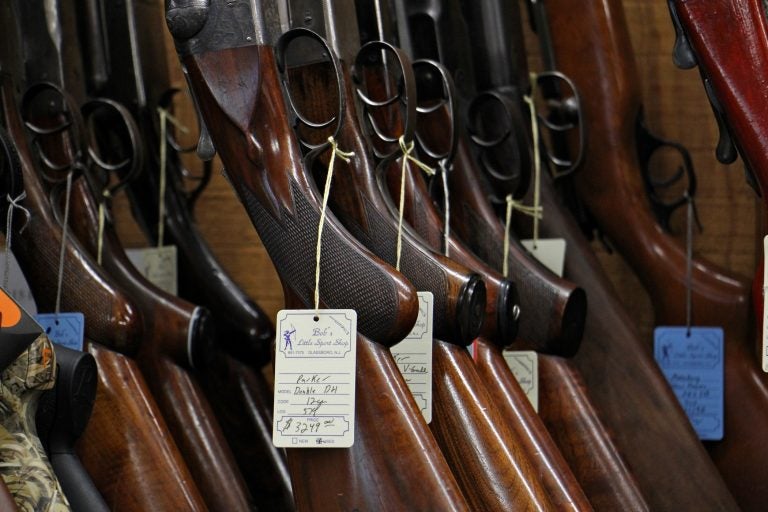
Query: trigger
[(682, 53), (726, 149), (205, 149)]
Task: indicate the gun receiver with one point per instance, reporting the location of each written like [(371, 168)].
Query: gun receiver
[(62, 416), (728, 87), (235, 81)]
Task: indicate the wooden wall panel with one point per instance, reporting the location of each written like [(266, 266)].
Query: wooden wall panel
[(675, 106)]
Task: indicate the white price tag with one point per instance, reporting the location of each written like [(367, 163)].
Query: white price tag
[(315, 378), (18, 288), (158, 265), (525, 367), (549, 251), (765, 309), (413, 356)]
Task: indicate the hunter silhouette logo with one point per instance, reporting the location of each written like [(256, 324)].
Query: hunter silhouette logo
[(288, 338)]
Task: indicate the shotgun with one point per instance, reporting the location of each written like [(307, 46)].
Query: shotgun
[(736, 104), (612, 357), (61, 417), (126, 447), (598, 467), (234, 79), (141, 82), (239, 394), (360, 194), (176, 332), (506, 393)]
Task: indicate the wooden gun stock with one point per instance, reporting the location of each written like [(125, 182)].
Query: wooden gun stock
[(494, 472), (554, 309), (126, 453), (178, 336), (627, 389), (239, 97), (610, 184)]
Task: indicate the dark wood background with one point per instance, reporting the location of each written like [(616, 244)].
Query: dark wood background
[(676, 107)]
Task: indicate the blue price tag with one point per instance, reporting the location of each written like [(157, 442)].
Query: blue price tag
[(65, 329), (693, 366)]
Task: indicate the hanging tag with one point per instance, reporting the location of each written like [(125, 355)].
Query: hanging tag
[(693, 366), (158, 265), (550, 252), (765, 306), (315, 378), (413, 356), (525, 367), (18, 288), (65, 329)]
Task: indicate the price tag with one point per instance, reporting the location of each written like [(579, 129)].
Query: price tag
[(315, 378), (18, 288), (693, 366), (413, 356), (550, 252), (65, 329), (158, 264), (525, 367), (765, 305)]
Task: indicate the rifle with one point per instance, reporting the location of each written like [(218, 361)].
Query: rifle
[(176, 332), (126, 446), (735, 105), (623, 381), (62, 415), (239, 395), (234, 80)]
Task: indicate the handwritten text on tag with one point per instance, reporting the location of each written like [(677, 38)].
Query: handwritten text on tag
[(65, 329), (693, 366), (315, 378), (413, 356)]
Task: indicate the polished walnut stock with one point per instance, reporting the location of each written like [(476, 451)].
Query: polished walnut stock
[(178, 338), (239, 97), (127, 447), (489, 462), (610, 184)]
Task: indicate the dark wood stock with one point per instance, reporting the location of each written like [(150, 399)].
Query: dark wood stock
[(126, 447), (6, 499), (552, 309), (610, 184), (361, 202), (239, 97), (562, 485), (634, 401), (584, 442), (493, 470), (111, 316), (263, 163), (243, 406)]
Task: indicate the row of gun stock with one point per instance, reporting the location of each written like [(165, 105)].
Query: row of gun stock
[(167, 407)]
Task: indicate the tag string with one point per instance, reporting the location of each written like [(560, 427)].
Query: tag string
[(165, 116), (105, 195), (444, 168), (512, 205), (537, 208), (407, 149), (64, 233), (688, 262), (335, 152), (13, 203)]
